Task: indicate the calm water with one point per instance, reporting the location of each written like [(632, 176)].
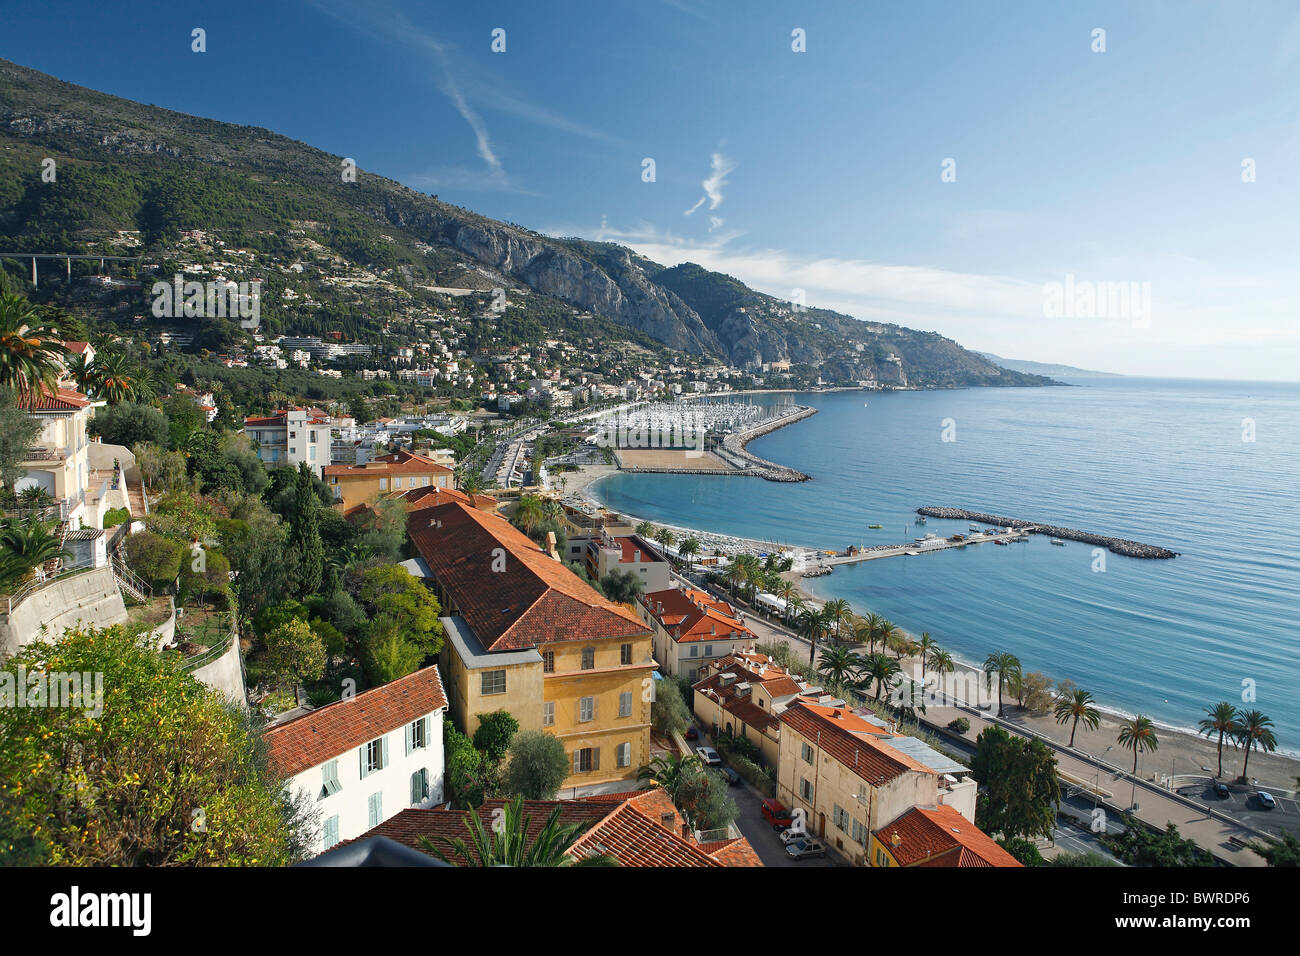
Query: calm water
[(1159, 461)]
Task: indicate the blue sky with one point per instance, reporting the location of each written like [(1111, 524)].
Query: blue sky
[(818, 170)]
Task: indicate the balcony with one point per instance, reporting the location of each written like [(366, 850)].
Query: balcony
[(43, 453)]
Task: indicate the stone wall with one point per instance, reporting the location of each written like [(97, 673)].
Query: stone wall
[(90, 597)]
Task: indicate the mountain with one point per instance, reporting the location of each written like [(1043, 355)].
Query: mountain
[(139, 178), (1047, 368)]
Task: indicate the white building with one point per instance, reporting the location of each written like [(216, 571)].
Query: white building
[(292, 435), (364, 759)]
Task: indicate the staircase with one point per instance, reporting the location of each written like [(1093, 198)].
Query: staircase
[(129, 581)]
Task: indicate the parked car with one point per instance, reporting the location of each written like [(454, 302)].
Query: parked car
[(708, 756), (692, 733), (1221, 791), (806, 848), (1266, 800), (792, 834), (733, 778), (775, 813)]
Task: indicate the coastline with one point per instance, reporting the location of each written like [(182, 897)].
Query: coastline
[(1182, 751)]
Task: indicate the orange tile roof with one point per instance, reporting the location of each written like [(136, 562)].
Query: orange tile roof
[(323, 734), (940, 836), (398, 463), (689, 614), (534, 600), (628, 826), (832, 728), (59, 400), (431, 495), (749, 669)]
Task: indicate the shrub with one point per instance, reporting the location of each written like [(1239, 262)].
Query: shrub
[(116, 516), (1023, 850), (537, 766), (762, 779), (961, 725)]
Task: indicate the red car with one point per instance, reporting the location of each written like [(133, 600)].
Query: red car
[(775, 813), (692, 733)]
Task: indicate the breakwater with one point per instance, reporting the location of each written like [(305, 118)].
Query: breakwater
[(1122, 546), (732, 450)]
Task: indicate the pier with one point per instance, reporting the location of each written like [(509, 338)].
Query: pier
[(1122, 546)]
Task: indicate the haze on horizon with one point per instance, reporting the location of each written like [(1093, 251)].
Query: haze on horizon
[(1163, 163)]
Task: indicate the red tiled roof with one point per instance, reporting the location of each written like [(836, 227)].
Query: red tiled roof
[(632, 551), (324, 734), (692, 615), (534, 600), (627, 826), (940, 836), (432, 495), (831, 729), (398, 463), (59, 400)]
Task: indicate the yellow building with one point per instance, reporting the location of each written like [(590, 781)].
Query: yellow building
[(527, 635), (850, 775), (743, 694), (402, 471)]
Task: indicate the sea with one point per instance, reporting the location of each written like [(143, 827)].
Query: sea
[(1210, 469)]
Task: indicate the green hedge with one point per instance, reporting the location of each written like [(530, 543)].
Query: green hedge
[(115, 517)]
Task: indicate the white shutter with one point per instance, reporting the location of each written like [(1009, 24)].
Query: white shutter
[(410, 739), (365, 765), (575, 759), (383, 752)]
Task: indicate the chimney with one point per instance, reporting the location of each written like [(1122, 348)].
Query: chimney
[(686, 831), (550, 545)]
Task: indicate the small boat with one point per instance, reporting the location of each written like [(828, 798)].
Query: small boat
[(875, 527), (974, 527), (1058, 542), (921, 520), (1000, 543)]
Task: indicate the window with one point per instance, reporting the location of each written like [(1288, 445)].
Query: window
[(374, 756), (419, 786), (494, 682), (625, 705), (330, 779), (548, 714), (859, 833), (625, 654), (708, 650), (588, 658), (311, 452), (330, 833), (695, 650), (806, 751), (839, 817), (548, 662), (586, 760), (882, 858), (586, 709), (624, 752), (417, 735), (383, 484), (375, 807), (805, 789)]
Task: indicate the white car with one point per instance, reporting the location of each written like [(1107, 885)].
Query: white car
[(792, 834), (708, 756)]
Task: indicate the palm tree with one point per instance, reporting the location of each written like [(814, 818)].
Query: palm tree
[(1003, 664), (734, 575), (688, 548), (812, 626), (880, 668), (116, 377), (665, 538), (787, 592), (79, 370), (837, 612), (874, 623), (506, 842), (941, 663), (838, 664), (645, 529), (1221, 720), (1138, 735), (924, 646), (471, 482), (1077, 707), (860, 630), (1253, 731), (888, 633), (30, 349), (29, 544), (528, 514), (669, 772)]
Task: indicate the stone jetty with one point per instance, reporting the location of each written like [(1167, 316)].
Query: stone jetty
[(732, 449), (1130, 549)]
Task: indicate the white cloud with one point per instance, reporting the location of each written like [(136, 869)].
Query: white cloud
[(722, 167)]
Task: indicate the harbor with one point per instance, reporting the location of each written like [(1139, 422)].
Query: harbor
[(1123, 546)]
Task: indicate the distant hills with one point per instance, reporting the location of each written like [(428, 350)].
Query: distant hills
[(1047, 368), (141, 176)]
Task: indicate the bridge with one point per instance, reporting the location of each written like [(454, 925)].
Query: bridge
[(67, 257)]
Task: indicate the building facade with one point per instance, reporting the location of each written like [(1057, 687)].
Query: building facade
[(692, 629), (361, 760), (354, 485), (292, 436)]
